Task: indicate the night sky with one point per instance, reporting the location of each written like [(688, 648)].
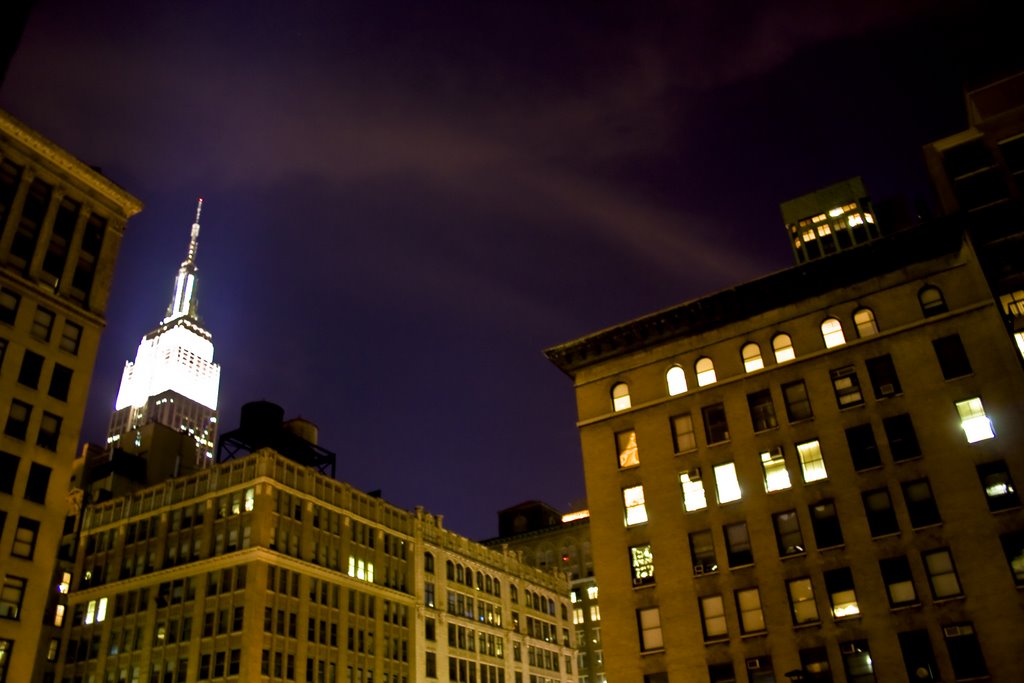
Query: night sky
[(406, 202)]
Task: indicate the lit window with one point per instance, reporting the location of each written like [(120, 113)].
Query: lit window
[(705, 372), (841, 594), (636, 509), (846, 386), (676, 379), (641, 560), (832, 333), (801, 601), (857, 662), (712, 612), (899, 585), (360, 569), (812, 464), (1000, 493), (58, 615), (694, 497), (620, 397), (941, 574), (625, 443), (748, 601), (975, 423), (782, 345), (932, 302), (649, 621), (727, 483), (682, 433), (864, 321), (752, 357), (776, 476), (65, 583)]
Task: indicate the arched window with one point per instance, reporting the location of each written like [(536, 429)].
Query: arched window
[(479, 581), (428, 563), (752, 357), (497, 588), (459, 576), (782, 345), (832, 333), (488, 585), (469, 577), (620, 397), (705, 372), (932, 301), (450, 570), (676, 379), (864, 319)]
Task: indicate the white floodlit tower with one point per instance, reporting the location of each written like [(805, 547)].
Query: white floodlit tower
[(173, 381)]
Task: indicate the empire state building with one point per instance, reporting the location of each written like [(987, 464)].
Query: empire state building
[(173, 381)]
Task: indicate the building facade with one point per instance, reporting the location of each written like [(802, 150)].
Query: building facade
[(811, 475), (61, 225)]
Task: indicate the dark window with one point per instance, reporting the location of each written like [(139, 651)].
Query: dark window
[(12, 593), (88, 257), (899, 431), (964, 651), (841, 593), (814, 661), (899, 585), (660, 677), (60, 382), (846, 386), (857, 661), (883, 376), (60, 238), (702, 552), (737, 542), (716, 429), (26, 234), (863, 449), (31, 368), (721, 673), (952, 357), (918, 657), (3, 352), (17, 420), (1013, 548), (8, 471), (25, 535), (9, 302), (880, 514), (1000, 493), (920, 503), (932, 302), (798, 405), (49, 431), (762, 411), (42, 324), (788, 538), (38, 482), (825, 522)]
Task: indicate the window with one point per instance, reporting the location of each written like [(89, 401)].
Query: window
[(71, 337), (42, 324), (864, 321), (31, 368), (1000, 493), (428, 563), (748, 602), (641, 561), (11, 595), (788, 537), (920, 503), (964, 651), (846, 386), (8, 471), (918, 658), (49, 431), (899, 585), (9, 302), (941, 574), (860, 668), (17, 420), (801, 600), (636, 509), (683, 436), (798, 405), (1013, 548), (649, 622), (762, 410), (25, 538), (712, 614), (812, 464), (883, 376), (752, 357), (776, 476), (721, 673), (38, 482), (841, 595), (814, 661), (716, 428), (952, 357), (737, 545), (899, 431), (60, 382), (620, 397), (931, 300), (880, 514), (694, 497), (825, 523), (976, 425), (702, 552), (863, 449), (705, 372), (676, 379), (782, 345), (726, 483), (832, 333), (625, 445)]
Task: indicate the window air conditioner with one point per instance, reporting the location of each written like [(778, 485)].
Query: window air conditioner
[(848, 648), (886, 389), (754, 663), (698, 569)]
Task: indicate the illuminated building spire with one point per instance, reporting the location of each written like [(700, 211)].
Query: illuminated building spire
[(183, 301)]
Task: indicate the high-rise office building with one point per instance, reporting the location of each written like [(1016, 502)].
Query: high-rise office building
[(173, 381), (61, 223)]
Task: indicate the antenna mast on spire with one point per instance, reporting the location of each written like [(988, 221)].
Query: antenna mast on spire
[(193, 244)]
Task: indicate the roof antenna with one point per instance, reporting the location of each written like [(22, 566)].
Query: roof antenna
[(194, 242)]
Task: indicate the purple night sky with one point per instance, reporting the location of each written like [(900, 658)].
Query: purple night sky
[(405, 202)]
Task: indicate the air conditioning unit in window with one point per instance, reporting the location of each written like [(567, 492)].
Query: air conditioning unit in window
[(698, 569), (754, 663), (886, 389), (958, 630), (694, 474), (848, 648)]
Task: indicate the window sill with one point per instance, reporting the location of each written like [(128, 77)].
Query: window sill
[(766, 430), (912, 458), (686, 452), (791, 556), (891, 534), (754, 634), (717, 640), (644, 586), (654, 651), (741, 566), (852, 406), (1008, 508), (905, 607), (951, 598), (873, 468), (924, 527), (841, 546), (807, 624)]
